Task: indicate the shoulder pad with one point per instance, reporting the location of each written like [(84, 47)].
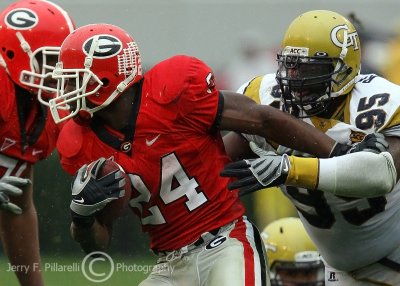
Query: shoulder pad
[(168, 79), (262, 89), (374, 104), (252, 90)]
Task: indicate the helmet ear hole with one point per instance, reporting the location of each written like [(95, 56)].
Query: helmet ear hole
[(105, 82), (10, 54)]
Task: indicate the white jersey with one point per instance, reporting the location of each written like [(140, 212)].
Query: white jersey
[(350, 233)]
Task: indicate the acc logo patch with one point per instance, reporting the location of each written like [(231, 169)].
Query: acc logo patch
[(107, 47), (216, 242), (21, 19), (295, 51)]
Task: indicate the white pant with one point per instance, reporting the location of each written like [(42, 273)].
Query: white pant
[(235, 256), (374, 274)]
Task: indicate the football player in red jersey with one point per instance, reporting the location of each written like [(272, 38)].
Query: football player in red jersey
[(31, 33), (163, 129)]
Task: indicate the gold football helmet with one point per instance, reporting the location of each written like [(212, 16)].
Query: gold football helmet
[(319, 61), (292, 256)]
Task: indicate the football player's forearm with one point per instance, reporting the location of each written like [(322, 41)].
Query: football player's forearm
[(243, 115), (95, 238), (361, 174), (288, 131)]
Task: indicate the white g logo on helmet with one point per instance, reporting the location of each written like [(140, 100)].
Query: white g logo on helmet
[(21, 19), (107, 47)]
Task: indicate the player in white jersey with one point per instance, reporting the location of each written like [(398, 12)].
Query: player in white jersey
[(349, 205)]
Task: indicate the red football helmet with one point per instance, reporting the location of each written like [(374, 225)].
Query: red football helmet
[(97, 63), (31, 33)]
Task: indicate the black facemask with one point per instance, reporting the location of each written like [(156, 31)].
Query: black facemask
[(306, 83)]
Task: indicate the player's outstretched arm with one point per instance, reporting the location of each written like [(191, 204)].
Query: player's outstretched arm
[(356, 174), (243, 115)]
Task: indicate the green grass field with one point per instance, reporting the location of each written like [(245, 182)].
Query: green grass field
[(67, 271)]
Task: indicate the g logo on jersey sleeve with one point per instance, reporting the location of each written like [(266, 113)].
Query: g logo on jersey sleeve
[(107, 47), (21, 19)]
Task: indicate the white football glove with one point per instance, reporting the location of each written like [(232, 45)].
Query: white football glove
[(11, 186), (254, 174)]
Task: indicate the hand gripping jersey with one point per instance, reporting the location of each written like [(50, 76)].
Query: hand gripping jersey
[(172, 151), (349, 233), (27, 131)]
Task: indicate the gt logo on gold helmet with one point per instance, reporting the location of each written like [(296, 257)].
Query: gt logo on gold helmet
[(320, 61), (351, 37)]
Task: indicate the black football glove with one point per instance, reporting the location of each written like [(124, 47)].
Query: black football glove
[(91, 194), (374, 142), (254, 174), (11, 186)]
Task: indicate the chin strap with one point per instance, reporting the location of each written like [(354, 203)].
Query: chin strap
[(127, 65), (86, 76), (3, 63), (342, 54), (27, 49), (338, 66)]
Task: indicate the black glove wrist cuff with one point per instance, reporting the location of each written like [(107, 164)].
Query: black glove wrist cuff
[(339, 149), (82, 221)]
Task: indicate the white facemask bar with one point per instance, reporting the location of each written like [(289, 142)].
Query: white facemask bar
[(77, 97), (37, 79)]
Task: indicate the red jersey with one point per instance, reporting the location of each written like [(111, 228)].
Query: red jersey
[(27, 130), (173, 153)]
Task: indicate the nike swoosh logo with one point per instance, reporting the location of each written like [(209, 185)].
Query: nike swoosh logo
[(81, 201), (35, 152), (151, 142)]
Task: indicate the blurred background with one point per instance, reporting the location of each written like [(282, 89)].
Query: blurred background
[(239, 39)]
